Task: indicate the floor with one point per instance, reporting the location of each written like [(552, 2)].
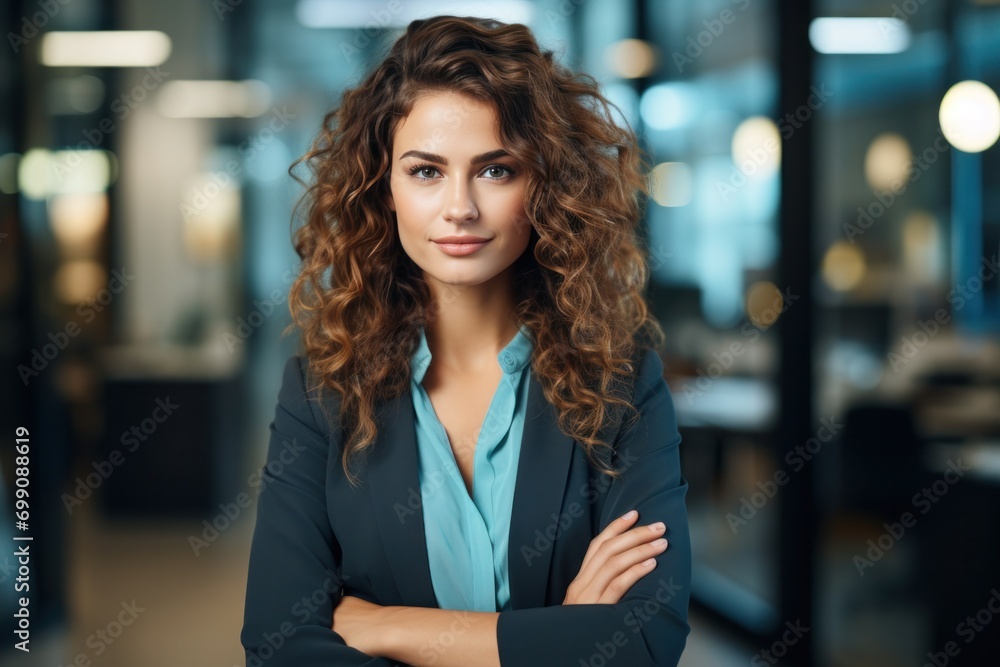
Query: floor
[(187, 609)]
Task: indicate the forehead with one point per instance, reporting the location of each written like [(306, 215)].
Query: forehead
[(440, 122)]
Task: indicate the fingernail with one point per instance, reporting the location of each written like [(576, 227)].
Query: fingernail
[(656, 526), (629, 515)]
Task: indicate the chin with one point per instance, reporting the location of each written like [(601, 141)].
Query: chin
[(466, 277), (462, 280)]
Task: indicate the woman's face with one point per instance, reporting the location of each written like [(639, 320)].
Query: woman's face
[(449, 177)]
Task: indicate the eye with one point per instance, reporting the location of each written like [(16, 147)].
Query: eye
[(413, 171), (492, 167)]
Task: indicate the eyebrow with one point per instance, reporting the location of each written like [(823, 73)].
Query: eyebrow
[(440, 159)]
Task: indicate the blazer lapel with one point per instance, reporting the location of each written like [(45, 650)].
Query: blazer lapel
[(395, 494), (542, 471), (539, 489)]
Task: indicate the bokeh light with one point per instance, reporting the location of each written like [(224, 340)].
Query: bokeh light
[(970, 116)]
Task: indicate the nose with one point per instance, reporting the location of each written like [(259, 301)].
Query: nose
[(460, 205)]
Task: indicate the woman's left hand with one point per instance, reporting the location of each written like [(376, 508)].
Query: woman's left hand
[(357, 621)]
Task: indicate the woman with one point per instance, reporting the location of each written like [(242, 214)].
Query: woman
[(474, 332)]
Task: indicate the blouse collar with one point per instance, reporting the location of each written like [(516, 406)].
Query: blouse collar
[(512, 358)]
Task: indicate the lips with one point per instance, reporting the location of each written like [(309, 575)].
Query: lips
[(461, 239), (462, 248)]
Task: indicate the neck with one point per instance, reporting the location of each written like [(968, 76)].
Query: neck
[(469, 325)]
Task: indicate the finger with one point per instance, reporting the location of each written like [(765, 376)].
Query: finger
[(616, 557), (617, 544), (613, 529), (620, 585), (622, 562), (581, 583)]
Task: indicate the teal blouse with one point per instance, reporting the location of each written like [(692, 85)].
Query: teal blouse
[(467, 536)]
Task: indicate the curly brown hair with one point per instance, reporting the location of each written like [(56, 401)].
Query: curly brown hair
[(360, 300)]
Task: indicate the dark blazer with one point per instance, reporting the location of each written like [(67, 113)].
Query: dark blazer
[(316, 537)]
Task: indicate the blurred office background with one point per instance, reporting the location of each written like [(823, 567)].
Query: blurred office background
[(823, 233)]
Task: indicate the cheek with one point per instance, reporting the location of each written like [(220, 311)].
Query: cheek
[(415, 208), (408, 232), (409, 215), (521, 228)]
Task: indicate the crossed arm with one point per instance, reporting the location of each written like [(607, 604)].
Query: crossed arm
[(293, 548), (419, 636)]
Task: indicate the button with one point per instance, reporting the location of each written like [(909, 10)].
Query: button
[(508, 358)]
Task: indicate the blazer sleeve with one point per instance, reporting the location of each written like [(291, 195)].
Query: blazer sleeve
[(648, 627), (293, 581)]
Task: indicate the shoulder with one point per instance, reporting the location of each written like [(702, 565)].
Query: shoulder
[(299, 396), (650, 366), (652, 397), (649, 378)]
